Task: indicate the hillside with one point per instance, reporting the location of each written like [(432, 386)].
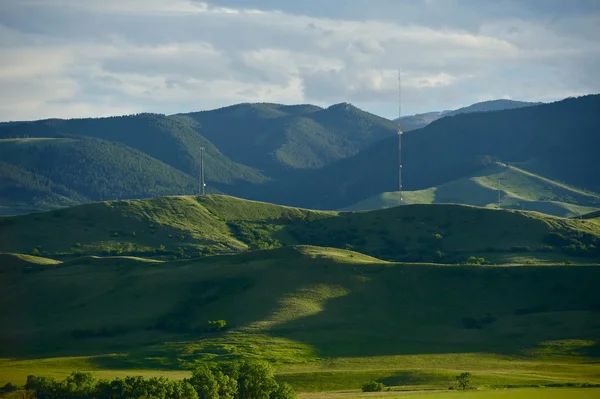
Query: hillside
[(555, 140), (517, 188), (184, 227), (43, 173), (271, 136), (246, 146), (328, 319), (417, 121)]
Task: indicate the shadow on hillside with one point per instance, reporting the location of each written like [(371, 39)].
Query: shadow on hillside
[(433, 310)]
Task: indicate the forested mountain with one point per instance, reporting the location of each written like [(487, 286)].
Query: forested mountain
[(557, 140), (50, 172), (55, 162), (300, 155), (412, 122), (271, 136)]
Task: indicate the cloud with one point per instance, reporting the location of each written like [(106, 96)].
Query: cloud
[(83, 58)]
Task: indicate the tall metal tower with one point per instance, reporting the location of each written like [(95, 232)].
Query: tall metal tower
[(202, 184), (400, 137)]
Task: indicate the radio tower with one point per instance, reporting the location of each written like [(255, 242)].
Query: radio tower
[(399, 136), (202, 184)]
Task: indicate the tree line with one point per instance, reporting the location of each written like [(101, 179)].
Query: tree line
[(247, 379)]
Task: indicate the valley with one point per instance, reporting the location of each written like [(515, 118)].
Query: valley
[(331, 299), (301, 255)]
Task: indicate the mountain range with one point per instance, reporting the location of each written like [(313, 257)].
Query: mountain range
[(299, 155), (417, 121)]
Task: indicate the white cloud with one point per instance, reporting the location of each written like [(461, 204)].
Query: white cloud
[(69, 57)]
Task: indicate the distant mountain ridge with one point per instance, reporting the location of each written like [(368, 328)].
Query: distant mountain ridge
[(555, 140), (246, 145), (299, 155), (417, 121)]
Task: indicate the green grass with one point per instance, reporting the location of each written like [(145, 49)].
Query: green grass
[(328, 319), (185, 226), (546, 393), (519, 189)]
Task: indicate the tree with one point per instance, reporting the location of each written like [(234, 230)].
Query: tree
[(463, 381), (181, 390), (256, 380), (283, 391), (372, 386), (227, 385), (205, 383), (80, 383)]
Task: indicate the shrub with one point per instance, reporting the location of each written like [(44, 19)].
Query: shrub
[(216, 325), (463, 381), (474, 260), (373, 386), (8, 387)]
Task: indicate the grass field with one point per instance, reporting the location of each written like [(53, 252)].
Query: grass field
[(329, 319), (553, 393), (183, 227), (519, 189)]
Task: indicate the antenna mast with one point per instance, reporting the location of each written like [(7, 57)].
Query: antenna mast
[(399, 136), (202, 184)]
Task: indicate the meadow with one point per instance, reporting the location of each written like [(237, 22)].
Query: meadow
[(329, 318)]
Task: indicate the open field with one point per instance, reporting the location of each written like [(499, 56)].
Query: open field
[(546, 393), (328, 319)]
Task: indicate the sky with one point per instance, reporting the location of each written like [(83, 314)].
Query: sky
[(89, 58)]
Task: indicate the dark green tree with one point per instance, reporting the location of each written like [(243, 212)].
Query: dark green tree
[(283, 391), (463, 380), (373, 386)]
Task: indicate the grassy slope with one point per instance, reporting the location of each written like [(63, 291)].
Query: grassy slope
[(46, 173), (228, 224), (329, 319), (519, 188), (561, 393)]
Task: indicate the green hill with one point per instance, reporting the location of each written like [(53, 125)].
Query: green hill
[(271, 136), (43, 173), (555, 140), (246, 145), (186, 227), (329, 319), (299, 155), (592, 215), (518, 189)]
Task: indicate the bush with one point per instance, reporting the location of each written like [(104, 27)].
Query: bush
[(8, 387), (216, 325), (373, 386), (473, 260), (463, 381)]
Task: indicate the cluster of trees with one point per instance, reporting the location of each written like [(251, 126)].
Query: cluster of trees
[(233, 380), (585, 245)]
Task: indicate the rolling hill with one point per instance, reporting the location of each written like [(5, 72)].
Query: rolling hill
[(514, 187), (43, 173), (556, 141), (329, 319), (184, 227)]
